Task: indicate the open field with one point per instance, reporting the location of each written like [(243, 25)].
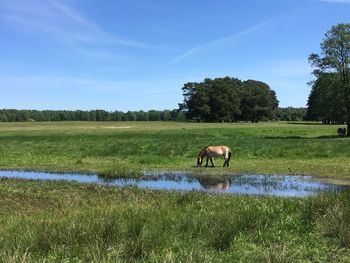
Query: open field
[(71, 222), (123, 148)]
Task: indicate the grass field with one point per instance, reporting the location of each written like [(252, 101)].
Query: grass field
[(70, 222), (126, 148)]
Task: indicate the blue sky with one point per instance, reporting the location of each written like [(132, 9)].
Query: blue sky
[(137, 54)]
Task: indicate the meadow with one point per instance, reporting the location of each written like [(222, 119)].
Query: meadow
[(128, 148), (71, 222)]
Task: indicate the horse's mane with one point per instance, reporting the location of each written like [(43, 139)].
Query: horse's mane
[(200, 152)]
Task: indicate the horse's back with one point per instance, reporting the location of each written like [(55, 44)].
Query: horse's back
[(215, 151), (222, 148)]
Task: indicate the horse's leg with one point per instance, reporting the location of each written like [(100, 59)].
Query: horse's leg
[(206, 163), (225, 163), (212, 164), (227, 159)]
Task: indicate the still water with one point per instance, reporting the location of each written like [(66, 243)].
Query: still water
[(248, 184)]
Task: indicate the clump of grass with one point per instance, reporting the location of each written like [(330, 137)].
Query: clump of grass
[(186, 198), (335, 222), (134, 245), (273, 252), (15, 256), (222, 236), (121, 170)]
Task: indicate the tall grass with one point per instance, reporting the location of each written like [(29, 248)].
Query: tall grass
[(70, 222)]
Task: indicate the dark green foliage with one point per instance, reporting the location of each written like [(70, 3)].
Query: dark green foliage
[(12, 115), (330, 96), (7, 115), (326, 101), (258, 101), (291, 114), (228, 99)]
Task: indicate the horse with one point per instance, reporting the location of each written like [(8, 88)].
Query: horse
[(214, 152)]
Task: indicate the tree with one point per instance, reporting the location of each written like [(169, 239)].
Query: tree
[(196, 99), (228, 99), (224, 100), (291, 114), (335, 58), (154, 115), (258, 101), (326, 101)]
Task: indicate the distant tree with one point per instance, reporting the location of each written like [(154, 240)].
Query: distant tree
[(228, 99), (100, 115), (141, 116), (22, 115), (165, 115), (326, 101), (224, 100), (258, 101), (82, 115), (154, 115), (116, 116), (3, 116), (291, 114), (196, 100), (177, 115), (335, 58), (130, 116)]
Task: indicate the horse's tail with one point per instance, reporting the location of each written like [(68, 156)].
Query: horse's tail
[(227, 157)]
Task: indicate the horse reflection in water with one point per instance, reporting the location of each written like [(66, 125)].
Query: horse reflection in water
[(217, 184), (214, 152)]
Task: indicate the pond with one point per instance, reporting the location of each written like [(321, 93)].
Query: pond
[(248, 184)]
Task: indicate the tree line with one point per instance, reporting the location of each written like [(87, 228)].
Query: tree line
[(12, 115), (291, 114), (228, 99)]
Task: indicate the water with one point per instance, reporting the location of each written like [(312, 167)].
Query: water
[(248, 184)]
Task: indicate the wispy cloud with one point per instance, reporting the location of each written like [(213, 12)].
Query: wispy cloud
[(224, 42), (61, 21)]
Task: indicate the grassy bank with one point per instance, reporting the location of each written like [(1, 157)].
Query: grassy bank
[(128, 148), (68, 222)]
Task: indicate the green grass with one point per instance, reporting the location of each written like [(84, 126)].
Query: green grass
[(69, 222), (128, 148)]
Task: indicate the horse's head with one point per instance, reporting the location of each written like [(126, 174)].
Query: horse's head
[(201, 155)]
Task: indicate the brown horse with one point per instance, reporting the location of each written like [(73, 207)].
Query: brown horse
[(214, 152)]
